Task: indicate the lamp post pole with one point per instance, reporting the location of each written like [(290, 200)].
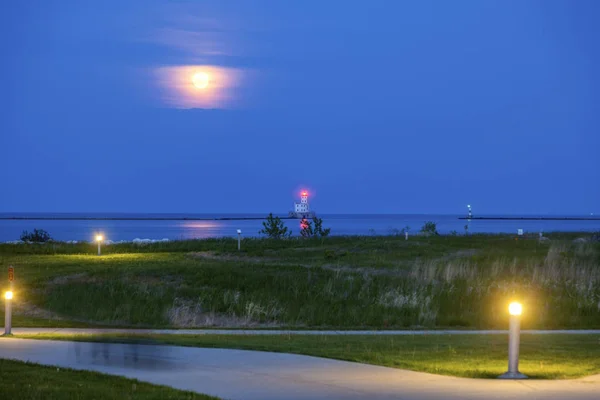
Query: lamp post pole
[(239, 232), (514, 340), (8, 313), (8, 302), (99, 239)]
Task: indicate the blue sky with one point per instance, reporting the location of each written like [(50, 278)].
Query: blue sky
[(376, 107)]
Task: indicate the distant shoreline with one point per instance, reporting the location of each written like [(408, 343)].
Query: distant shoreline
[(136, 218), (57, 218), (533, 218)]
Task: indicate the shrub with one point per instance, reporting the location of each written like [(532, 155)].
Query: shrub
[(429, 228), (37, 236), (274, 228), (307, 230), (319, 231)]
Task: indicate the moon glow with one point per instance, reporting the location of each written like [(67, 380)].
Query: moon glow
[(200, 80)]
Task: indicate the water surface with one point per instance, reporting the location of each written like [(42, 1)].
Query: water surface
[(363, 224)]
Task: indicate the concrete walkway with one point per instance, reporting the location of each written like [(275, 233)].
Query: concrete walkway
[(252, 375), (71, 331)]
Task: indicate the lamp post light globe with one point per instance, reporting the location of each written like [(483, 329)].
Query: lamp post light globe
[(8, 295), (515, 308)]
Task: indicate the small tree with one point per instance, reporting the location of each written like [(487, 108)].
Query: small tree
[(306, 228), (429, 228), (274, 228), (319, 231), (37, 236)]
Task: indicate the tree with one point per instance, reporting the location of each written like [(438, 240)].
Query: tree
[(37, 236), (274, 228), (306, 228), (319, 231), (429, 228)]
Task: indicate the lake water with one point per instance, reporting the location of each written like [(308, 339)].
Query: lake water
[(340, 225)]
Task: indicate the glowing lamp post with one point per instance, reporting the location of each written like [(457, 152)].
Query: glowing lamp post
[(239, 232), (99, 239), (515, 309), (8, 296)]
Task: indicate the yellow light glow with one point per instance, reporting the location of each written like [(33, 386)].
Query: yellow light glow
[(99, 238), (199, 86), (515, 308), (200, 80), (8, 295)]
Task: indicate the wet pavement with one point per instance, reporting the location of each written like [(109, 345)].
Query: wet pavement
[(252, 375)]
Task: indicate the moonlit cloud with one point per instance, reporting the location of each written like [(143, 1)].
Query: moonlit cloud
[(200, 39), (192, 43), (177, 89)]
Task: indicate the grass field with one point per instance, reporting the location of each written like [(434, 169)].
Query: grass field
[(474, 356), (336, 282), (26, 381)]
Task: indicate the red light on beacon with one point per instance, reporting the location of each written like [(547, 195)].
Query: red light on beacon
[(304, 193)]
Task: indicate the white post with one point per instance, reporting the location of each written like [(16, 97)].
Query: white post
[(239, 232), (405, 235), (7, 316), (514, 340), (99, 253), (8, 312)]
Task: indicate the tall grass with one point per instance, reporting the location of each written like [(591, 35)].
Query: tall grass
[(381, 282)]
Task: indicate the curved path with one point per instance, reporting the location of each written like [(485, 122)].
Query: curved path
[(253, 375), (71, 331)]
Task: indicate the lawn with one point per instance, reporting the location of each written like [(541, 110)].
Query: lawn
[(556, 356), (26, 381), (381, 282)]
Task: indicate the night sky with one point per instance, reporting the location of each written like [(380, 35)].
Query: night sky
[(375, 107)]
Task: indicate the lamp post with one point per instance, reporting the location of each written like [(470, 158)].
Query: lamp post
[(8, 296), (515, 309), (239, 232), (99, 239)]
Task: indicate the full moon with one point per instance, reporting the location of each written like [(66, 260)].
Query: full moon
[(200, 80)]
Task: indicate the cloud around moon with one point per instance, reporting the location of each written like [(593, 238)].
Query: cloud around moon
[(178, 86)]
